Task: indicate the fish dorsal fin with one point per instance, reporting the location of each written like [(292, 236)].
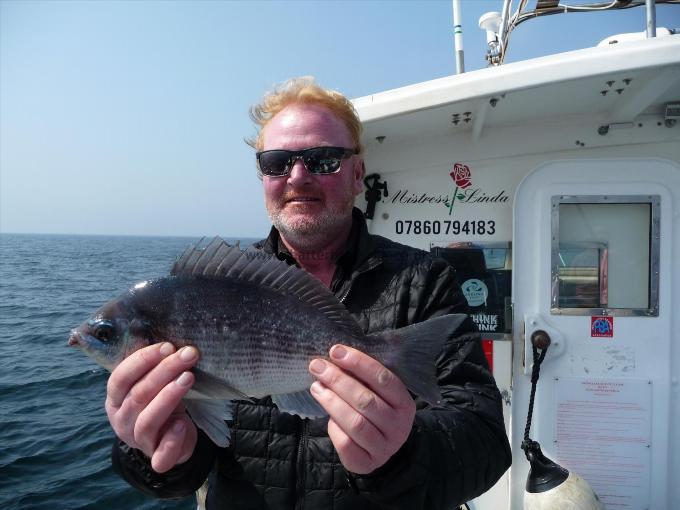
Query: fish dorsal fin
[(187, 259), (219, 259)]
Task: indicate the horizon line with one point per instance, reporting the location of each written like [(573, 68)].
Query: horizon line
[(198, 236)]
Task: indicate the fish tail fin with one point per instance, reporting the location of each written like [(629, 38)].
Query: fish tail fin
[(412, 353)]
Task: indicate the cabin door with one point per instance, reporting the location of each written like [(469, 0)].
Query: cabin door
[(596, 251)]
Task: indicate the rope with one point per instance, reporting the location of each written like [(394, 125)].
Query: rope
[(535, 371)]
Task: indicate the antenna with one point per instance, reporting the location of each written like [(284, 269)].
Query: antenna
[(650, 9), (458, 37)]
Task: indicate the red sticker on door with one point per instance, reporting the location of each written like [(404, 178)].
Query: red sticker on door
[(601, 326)]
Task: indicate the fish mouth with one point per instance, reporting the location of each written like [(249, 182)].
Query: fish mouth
[(74, 339)]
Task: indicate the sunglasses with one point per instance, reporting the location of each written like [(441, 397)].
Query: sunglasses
[(317, 160)]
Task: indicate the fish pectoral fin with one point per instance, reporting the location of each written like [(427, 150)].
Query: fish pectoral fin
[(211, 416), (301, 403), (209, 386)]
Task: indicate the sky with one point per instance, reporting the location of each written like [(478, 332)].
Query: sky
[(129, 117)]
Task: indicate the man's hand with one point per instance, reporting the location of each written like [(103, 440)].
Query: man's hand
[(371, 411), (144, 403)]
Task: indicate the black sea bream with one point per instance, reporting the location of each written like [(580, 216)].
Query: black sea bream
[(257, 323)]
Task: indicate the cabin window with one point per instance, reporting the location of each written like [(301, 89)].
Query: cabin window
[(605, 255), (484, 273)]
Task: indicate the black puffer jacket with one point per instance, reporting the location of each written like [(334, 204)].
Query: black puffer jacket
[(455, 451)]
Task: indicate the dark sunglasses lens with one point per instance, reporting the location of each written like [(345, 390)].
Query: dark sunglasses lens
[(323, 160), (274, 163)]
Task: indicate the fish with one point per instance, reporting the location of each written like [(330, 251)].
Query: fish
[(257, 323)]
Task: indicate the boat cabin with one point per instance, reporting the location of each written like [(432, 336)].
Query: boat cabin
[(553, 187)]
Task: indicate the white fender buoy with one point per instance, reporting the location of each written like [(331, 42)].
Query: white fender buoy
[(572, 494), (551, 487)]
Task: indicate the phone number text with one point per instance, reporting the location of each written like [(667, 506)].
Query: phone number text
[(436, 227)]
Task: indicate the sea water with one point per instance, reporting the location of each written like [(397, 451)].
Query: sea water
[(55, 439)]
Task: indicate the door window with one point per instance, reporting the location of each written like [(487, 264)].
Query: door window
[(605, 255)]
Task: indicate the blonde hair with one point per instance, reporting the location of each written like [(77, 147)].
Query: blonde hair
[(304, 90)]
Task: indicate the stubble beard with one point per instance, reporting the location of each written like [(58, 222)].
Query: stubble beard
[(315, 233)]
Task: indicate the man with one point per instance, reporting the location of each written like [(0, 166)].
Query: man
[(378, 448)]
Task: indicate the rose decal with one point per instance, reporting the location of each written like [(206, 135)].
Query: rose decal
[(461, 175), (463, 178)]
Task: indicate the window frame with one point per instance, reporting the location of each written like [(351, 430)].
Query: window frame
[(654, 202)]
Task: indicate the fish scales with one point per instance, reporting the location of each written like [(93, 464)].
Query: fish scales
[(257, 323), (269, 338)]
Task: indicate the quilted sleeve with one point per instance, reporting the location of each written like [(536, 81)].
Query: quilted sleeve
[(182, 480)]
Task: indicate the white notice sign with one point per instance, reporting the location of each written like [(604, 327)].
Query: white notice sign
[(603, 429)]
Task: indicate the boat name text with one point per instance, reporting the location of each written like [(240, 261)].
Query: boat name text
[(469, 196)]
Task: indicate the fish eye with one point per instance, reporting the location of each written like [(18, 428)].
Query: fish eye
[(103, 332)]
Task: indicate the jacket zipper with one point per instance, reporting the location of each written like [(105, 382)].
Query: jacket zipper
[(300, 467), (361, 271), (304, 433)]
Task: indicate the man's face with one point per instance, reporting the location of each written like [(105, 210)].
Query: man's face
[(310, 211)]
